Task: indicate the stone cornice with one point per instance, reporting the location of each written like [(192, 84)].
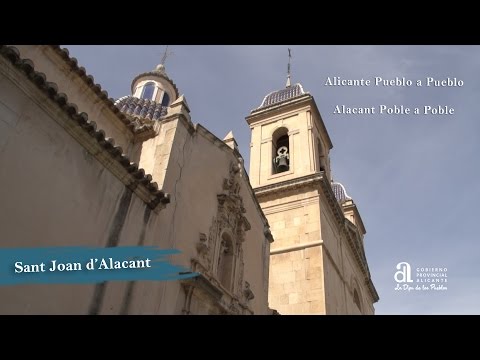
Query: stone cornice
[(260, 114), (86, 133), (288, 185), (354, 242), (350, 205), (289, 105)]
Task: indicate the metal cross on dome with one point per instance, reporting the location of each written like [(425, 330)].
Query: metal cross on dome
[(166, 54)]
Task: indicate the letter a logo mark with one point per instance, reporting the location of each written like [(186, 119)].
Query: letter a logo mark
[(404, 273)]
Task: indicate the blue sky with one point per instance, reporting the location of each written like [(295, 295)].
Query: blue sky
[(413, 177)]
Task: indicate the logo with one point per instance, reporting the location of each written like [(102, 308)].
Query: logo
[(404, 273), (425, 278)]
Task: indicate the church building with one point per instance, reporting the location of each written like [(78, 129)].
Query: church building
[(82, 169)]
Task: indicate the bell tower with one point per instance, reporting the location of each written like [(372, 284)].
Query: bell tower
[(289, 139), (317, 262)]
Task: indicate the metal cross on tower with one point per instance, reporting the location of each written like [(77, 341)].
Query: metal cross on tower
[(288, 69)]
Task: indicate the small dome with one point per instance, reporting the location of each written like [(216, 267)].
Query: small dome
[(340, 192), (282, 95), (157, 75), (152, 92)]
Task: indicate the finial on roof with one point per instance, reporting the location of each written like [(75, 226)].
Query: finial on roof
[(229, 136), (179, 107), (288, 69), (229, 139)]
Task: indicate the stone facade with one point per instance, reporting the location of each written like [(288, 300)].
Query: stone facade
[(78, 175), (317, 264)]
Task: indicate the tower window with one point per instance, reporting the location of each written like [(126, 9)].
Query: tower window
[(280, 151), (225, 262), (356, 299), (147, 92), (321, 156), (166, 99)]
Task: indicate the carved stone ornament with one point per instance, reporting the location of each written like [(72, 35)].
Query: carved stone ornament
[(230, 218), (202, 245), (247, 292)]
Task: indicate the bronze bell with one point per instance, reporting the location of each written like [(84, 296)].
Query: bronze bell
[(282, 164)]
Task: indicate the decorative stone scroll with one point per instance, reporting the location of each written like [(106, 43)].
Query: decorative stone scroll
[(230, 219)]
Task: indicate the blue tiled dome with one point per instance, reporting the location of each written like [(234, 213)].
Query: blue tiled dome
[(142, 108), (340, 192), (279, 96)]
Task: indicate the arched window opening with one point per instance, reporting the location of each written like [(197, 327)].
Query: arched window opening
[(281, 151), (356, 299), (321, 156), (166, 99), (147, 91), (225, 262)]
